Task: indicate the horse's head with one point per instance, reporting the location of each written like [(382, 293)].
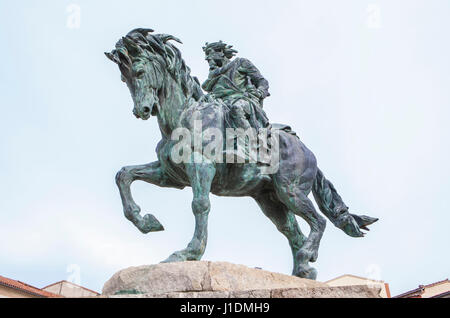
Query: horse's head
[(143, 60)]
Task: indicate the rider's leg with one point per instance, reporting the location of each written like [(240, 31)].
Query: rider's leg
[(246, 150), (240, 115)]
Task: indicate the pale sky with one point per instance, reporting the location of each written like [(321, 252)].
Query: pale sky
[(364, 83)]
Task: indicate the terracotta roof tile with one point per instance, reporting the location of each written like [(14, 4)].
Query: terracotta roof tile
[(26, 288)]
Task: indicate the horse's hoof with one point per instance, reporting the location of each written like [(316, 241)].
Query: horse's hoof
[(306, 271), (150, 224), (175, 257), (363, 221)]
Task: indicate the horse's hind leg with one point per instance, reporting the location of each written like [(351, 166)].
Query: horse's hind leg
[(285, 222), (296, 199)]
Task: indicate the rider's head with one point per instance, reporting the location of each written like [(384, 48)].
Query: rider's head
[(218, 54)]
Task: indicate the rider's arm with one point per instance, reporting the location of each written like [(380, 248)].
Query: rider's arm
[(256, 78)]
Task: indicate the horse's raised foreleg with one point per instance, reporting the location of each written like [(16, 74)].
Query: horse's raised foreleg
[(200, 176), (285, 222), (296, 199), (151, 173)]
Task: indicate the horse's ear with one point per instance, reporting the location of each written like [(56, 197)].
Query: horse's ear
[(109, 55), (112, 57)]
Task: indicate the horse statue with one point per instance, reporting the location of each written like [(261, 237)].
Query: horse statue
[(161, 86)]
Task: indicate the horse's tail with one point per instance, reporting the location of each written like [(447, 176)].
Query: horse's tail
[(332, 206)]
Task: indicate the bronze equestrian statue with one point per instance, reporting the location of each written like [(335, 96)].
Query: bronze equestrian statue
[(161, 86)]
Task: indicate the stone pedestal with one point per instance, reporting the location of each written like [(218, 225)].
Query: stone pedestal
[(220, 279)]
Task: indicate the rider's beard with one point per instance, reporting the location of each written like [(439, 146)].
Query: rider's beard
[(215, 64), (212, 66)]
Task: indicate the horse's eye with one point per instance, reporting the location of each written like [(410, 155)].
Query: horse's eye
[(139, 73)]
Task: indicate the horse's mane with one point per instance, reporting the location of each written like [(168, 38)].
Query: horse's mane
[(139, 44)]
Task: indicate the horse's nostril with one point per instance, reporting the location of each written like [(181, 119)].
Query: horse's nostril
[(146, 110)]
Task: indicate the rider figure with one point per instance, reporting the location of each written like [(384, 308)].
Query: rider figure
[(238, 84)]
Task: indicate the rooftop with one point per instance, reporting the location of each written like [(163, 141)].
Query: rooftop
[(26, 288), (354, 276), (421, 289), (73, 284)]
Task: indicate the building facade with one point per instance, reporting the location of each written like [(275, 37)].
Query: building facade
[(352, 280), (71, 290)]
